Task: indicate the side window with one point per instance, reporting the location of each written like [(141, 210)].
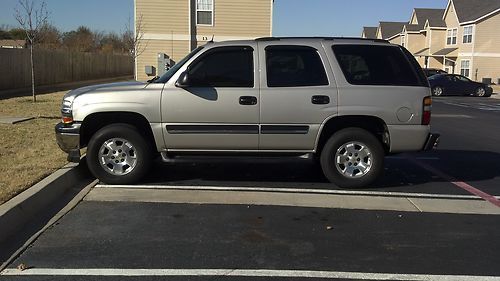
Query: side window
[(294, 66), (223, 67), (376, 65)]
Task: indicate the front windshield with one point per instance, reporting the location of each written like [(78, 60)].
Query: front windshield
[(167, 75)]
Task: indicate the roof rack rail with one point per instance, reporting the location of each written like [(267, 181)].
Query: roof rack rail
[(321, 37)]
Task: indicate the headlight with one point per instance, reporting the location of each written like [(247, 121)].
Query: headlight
[(67, 111)]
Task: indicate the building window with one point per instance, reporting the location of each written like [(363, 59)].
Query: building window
[(205, 12), (465, 68), (468, 34), (451, 36)]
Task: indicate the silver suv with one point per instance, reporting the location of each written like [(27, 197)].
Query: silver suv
[(347, 102)]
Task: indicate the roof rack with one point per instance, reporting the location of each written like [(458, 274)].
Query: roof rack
[(321, 37)]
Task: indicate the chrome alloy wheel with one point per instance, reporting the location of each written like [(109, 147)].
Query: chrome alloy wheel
[(480, 92), (353, 159), (117, 156), (438, 91)]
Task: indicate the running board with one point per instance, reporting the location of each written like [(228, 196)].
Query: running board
[(240, 157)]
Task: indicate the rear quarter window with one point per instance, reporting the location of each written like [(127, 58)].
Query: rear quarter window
[(377, 65)]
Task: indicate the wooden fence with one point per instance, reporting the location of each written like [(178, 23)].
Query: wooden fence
[(54, 67)]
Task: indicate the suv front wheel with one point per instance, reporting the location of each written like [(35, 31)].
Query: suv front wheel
[(352, 158), (118, 154)]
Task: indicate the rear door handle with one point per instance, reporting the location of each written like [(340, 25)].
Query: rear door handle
[(320, 99), (248, 100)]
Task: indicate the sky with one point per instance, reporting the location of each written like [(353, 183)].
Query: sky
[(291, 17)]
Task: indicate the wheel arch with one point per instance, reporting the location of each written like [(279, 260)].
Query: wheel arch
[(96, 121), (372, 124)]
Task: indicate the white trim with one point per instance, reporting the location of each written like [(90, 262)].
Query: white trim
[(286, 273), (272, 15), (212, 11), (454, 11), (478, 19), (489, 55)]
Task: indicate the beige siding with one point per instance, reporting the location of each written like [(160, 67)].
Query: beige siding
[(239, 19), (175, 49), (415, 42), (164, 16), (166, 26), (451, 21), (487, 35), (436, 62), (487, 67), (396, 40), (438, 40)]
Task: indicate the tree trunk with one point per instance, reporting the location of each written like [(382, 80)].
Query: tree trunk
[(32, 73)]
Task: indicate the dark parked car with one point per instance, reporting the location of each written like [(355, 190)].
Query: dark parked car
[(452, 84), (433, 71)]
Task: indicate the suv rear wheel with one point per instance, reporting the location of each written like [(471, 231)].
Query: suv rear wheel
[(352, 158), (118, 154)]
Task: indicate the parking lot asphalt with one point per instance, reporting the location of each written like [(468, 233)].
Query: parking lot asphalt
[(131, 233)]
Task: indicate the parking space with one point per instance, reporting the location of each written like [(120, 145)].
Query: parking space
[(432, 216)]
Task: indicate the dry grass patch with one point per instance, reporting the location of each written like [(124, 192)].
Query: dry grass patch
[(28, 150)]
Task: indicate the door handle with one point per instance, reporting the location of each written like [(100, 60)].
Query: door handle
[(248, 100), (320, 99)]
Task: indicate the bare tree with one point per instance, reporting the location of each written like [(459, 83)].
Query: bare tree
[(31, 19), (134, 39)]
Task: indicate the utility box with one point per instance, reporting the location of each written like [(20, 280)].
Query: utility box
[(164, 63), (150, 70)]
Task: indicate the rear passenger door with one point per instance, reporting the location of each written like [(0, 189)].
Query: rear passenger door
[(297, 95)]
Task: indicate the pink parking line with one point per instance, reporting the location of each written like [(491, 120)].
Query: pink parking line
[(463, 185)]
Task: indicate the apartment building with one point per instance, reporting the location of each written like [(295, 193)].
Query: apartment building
[(172, 28), (462, 38)]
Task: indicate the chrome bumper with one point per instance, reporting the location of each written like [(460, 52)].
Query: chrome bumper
[(68, 139), (432, 141)]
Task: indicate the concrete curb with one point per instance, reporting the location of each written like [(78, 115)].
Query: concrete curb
[(20, 210)]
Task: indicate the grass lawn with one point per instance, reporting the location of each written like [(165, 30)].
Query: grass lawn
[(28, 150)]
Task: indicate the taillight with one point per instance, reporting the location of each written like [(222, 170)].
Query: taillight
[(426, 114)]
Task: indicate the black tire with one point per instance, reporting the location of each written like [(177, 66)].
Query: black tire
[(480, 92), (338, 140), (437, 91), (141, 150)]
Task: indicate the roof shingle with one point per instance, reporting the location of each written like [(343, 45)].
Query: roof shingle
[(370, 32), (468, 10), (389, 28)]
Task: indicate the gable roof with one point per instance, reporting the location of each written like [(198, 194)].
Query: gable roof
[(370, 32), (412, 27), (390, 28), (434, 16), (471, 11)]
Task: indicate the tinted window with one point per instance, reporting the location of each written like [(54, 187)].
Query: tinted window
[(294, 66), (376, 65), (223, 67)]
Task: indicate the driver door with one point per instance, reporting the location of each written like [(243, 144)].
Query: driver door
[(219, 108)]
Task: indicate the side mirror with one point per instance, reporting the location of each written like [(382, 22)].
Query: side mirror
[(183, 81)]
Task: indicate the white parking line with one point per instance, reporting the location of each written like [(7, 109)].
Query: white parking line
[(292, 190), (242, 273)]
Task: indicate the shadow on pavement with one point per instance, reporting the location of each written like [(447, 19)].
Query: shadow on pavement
[(400, 173)]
